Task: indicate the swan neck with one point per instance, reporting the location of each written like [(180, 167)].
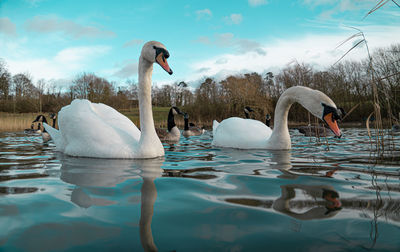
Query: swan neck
[(280, 138), (145, 109)]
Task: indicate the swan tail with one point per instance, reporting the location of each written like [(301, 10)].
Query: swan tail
[(55, 135), (215, 126)]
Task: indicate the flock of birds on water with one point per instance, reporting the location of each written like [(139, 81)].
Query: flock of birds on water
[(96, 130)]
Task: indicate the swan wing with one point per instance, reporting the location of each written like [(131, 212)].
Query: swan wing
[(241, 133), (215, 126), (97, 130)]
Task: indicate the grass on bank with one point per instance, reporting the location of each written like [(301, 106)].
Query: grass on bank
[(16, 122), (13, 122)]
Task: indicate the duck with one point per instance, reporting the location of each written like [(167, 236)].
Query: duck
[(242, 133), (96, 130), (190, 128), (173, 133), (315, 130), (41, 118)]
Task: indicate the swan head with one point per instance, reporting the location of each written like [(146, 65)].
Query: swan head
[(321, 106), (155, 52)]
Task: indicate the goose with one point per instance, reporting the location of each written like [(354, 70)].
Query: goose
[(241, 133), (247, 111), (173, 133), (53, 116), (268, 119), (39, 129), (41, 118), (396, 128), (191, 129), (31, 129), (96, 130)]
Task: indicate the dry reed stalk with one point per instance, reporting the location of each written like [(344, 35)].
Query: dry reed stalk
[(15, 122), (378, 125), (350, 111)]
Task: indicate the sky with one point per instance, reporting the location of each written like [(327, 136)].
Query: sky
[(58, 40)]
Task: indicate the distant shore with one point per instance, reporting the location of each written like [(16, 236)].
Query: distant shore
[(14, 122)]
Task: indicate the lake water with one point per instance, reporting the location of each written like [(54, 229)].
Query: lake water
[(331, 195)]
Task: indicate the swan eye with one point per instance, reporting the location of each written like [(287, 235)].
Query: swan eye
[(337, 114)]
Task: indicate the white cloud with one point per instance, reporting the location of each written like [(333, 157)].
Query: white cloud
[(234, 19), (332, 7), (127, 70), (53, 24), (7, 27), (229, 40), (75, 55), (317, 50), (133, 42), (204, 14), (255, 3), (64, 64)]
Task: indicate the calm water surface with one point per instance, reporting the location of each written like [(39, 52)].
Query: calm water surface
[(328, 196)]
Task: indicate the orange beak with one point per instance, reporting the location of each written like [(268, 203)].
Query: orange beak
[(162, 61), (332, 124)]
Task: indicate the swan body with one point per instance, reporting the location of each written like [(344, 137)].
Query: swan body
[(251, 134), (96, 130), (236, 132)]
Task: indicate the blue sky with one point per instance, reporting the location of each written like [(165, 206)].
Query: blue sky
[(56, 40)]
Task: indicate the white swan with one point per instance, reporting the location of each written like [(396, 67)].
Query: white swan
[(96, 130), (241, 133)]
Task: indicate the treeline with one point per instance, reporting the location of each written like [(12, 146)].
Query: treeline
[(348, 83)]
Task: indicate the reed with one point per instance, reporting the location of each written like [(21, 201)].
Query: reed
[(15, 122), (378, 101)]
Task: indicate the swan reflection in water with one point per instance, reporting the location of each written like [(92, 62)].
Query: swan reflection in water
[(89, 174), (325, 201)]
